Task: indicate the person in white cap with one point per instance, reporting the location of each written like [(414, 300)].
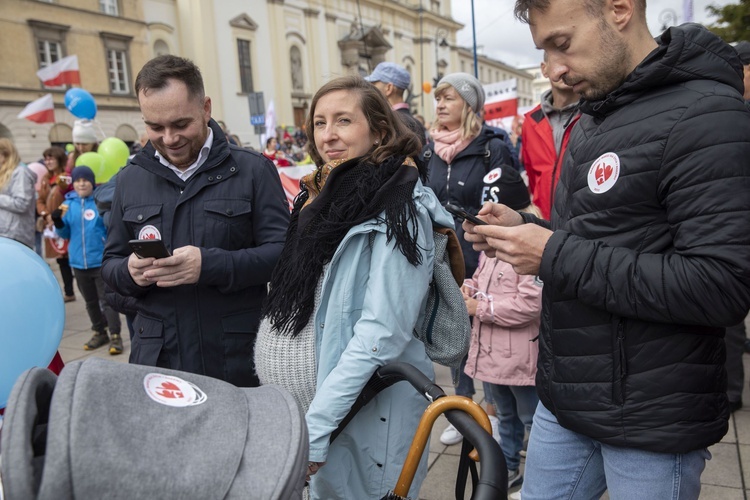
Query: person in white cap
[(393, 80), (84, 141)]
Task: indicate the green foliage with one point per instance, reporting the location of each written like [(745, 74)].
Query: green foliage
[(733, 23)]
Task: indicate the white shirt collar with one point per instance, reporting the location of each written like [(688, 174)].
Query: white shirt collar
[(202, 157)]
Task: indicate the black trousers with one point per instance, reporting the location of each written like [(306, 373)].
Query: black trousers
[(67, 275), (734, 339), (91, 286)]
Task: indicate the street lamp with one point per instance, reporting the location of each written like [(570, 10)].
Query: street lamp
[(667, 18), (440, 41)]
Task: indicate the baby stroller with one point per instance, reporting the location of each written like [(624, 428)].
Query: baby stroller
[(108, 430)]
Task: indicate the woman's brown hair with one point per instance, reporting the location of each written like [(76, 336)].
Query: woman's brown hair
[(397, 139)]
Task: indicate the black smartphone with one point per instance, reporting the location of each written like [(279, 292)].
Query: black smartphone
[(464, 215), (149, 248)]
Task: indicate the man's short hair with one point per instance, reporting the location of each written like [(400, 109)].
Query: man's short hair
[(593, 7), (156, 74)]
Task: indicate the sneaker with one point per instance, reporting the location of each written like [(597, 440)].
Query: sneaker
[(115, 344), (450, 436), (98, 340), (515, 496), (69, 298), (514, 478), (495, 422)]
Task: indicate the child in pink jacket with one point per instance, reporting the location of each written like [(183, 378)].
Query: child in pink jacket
[(503, 351)]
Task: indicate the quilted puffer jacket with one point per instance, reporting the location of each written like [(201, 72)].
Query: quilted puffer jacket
[(650, 255)]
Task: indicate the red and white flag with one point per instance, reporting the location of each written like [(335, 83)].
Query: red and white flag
[(290, 177), (501, 101), (62, 72), (40, 111)]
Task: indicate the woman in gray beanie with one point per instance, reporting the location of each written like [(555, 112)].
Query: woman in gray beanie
[(466, 161)]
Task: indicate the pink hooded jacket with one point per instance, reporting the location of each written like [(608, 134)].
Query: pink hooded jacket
[(506, 321)]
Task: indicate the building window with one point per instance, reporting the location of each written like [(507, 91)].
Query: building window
[(116, 48), (246, 69), (109, 7), (50, 43), (118, 72)]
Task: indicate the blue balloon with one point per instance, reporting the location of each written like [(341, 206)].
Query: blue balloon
[(32, 313), (80, 103)]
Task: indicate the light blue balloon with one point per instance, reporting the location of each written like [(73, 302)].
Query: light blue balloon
[(80, 103), (32, 313)]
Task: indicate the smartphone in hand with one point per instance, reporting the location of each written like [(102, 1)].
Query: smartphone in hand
[(149, 248), (464, 215)]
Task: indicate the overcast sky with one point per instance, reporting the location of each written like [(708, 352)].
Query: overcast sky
[(501, 36)]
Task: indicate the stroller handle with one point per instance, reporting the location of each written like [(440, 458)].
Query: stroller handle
[(493, 476)]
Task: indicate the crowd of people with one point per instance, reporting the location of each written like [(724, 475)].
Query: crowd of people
[(599, 285)]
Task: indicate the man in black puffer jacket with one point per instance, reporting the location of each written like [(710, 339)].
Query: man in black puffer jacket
[(648, 258)]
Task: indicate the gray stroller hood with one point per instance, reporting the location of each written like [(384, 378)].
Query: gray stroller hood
[(111, 430)]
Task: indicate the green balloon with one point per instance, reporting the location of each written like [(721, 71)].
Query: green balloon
[(69, 148), (115, 153), (94, 161)]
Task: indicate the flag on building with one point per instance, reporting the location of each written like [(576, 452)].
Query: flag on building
[(501, 101), (62, 72), (40, 111)]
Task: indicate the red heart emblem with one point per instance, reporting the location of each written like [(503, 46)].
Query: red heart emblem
[(603, 173), (170, 390)]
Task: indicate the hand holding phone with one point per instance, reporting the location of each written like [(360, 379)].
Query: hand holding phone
[(464, 215), (149, 248)]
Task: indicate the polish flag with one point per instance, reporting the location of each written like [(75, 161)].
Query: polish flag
[(62, 72), (40, 111), (290, 177), (501, 101)]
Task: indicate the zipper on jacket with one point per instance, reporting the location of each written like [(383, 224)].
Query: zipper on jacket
[(621, 372), (83, 235), (448, 182)]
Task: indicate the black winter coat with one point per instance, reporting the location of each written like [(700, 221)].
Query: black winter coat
[(234, 209), (641, 278), (463, 182)]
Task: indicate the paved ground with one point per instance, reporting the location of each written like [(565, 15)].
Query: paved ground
[(724, 478)]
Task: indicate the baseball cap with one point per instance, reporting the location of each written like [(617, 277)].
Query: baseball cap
[(388, 72)]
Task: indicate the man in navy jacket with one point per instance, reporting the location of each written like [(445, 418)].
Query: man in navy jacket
[(222, 213)]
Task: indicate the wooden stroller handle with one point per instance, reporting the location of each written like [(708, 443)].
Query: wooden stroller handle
[(433, 411)]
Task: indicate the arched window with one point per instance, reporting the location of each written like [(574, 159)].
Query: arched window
[(60, 134)]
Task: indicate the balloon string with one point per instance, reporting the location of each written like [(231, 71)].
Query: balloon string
[(98, 125)]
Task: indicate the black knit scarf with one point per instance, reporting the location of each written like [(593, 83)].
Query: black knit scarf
[(354, 192)]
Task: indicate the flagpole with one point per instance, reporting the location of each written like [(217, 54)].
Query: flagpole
[(474, 34)]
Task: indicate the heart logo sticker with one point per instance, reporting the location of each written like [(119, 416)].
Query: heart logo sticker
[(172, 391), (604, 173)]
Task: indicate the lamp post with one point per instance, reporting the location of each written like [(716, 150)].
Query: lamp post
[(440, 41), (667, 18)]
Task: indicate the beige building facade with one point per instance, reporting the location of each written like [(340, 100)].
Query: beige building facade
[(285, 49)]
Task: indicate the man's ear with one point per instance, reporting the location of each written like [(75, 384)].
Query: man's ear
[(389, 89), (207, 108), (620, 12)]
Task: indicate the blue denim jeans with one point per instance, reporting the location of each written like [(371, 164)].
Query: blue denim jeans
[(562, 464), (515, 405), (465, 386)]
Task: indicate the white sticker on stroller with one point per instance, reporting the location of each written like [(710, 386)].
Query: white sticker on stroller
[(172, 391)]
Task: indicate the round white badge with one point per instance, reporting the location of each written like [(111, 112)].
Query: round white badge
[(604, 173), (172, 391), (89, 214), (149, 233), (493, 175)]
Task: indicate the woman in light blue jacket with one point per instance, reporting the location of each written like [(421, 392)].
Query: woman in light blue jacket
[(350, 288)]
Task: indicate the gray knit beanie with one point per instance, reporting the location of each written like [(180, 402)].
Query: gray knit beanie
[(468, 88)]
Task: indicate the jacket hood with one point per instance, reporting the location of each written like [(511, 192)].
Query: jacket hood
[(685, 53), (427, 198)]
